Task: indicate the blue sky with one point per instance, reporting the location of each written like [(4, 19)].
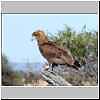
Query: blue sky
[(17, 30)]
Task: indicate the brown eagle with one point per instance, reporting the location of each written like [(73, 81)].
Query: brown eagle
[(53, 53)]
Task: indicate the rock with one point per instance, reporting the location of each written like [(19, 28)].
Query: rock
[(64, 75), (54, 79)]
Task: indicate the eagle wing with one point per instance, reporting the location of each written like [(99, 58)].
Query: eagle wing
[(55, 54)]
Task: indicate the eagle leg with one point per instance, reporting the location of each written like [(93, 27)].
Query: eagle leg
[(53, 65)]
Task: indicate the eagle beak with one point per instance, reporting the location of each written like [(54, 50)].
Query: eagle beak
[(33, 34)]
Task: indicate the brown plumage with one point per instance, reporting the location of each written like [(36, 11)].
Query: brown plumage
[(54, 54)]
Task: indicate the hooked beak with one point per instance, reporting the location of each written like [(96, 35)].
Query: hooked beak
[(34, 34), (33, 38)]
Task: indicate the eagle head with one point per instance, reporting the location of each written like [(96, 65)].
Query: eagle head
[(38, 33), (40, 36)]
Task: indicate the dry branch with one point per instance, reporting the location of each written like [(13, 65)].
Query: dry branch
[(54, 79)]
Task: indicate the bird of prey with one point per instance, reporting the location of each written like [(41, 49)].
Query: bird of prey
[(54, 54)]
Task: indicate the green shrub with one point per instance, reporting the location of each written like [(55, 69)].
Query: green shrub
[(80, 44)]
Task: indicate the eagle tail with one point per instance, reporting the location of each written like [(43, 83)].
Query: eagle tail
[(76, 65)]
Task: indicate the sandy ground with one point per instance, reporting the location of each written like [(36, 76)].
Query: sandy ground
[(37, 83)]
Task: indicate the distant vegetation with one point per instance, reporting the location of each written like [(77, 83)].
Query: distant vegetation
[(9, 76), (12, 77)]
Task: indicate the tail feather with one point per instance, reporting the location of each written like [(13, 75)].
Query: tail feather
[(76, 65)]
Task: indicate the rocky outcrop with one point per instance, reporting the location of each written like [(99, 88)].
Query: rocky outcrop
[(54, 79), (63, 75)]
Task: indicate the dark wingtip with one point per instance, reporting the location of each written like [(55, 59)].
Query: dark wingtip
[(76, 63)]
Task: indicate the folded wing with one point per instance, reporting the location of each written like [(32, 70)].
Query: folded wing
[(55, 54)]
